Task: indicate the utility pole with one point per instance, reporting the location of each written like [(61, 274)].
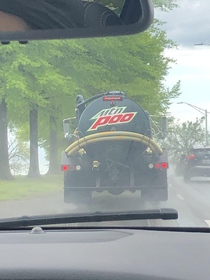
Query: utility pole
[(206, 116), (203, 112)]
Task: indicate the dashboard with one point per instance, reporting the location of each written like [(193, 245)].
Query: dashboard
[(109, 254)]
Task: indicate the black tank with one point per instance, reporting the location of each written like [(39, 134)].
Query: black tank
[(123, 115)]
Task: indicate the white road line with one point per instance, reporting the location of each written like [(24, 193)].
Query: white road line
[(180, 197), (208, 222)]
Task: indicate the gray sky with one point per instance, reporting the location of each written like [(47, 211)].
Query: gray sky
[(187, 25)]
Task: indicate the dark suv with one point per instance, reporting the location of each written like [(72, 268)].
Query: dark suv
[(197, 163)]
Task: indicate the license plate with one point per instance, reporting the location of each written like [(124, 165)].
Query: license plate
[(206, 161)]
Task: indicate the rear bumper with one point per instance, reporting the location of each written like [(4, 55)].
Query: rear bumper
[(147, 193), (197, 171), (101, 189)]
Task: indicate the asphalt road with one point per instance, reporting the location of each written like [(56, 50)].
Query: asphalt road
[(192, 201)]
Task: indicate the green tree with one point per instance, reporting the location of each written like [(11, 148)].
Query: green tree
[(41, 81), (8, 55), (5, 173), (182, 136), (51, 119), (137, 66), (165, 5), (18, 153)]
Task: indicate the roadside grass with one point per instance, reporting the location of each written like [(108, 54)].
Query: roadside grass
[(25, 188)]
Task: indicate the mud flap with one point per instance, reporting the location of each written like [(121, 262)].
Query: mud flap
[(158, 190), (77, 197), (154, 194), (74, 179)]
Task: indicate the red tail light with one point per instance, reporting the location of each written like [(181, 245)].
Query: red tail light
[(113, 98), (68, 167), (157, 165), (191, 157), (65, 167), (71, 167), (164, 165)]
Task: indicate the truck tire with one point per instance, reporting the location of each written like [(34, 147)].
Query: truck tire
[(154, 194), (73, 180), (77, 197)]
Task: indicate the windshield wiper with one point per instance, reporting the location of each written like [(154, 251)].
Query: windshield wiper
[(164, 214)]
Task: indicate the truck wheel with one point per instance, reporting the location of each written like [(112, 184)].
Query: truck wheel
[(77, 197), (154, 194)]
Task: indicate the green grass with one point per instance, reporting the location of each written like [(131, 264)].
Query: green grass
[(25, 188)]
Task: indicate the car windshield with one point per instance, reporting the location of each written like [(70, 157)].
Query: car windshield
[(110, 124)]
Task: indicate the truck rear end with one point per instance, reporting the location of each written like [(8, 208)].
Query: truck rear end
[(113, 151)]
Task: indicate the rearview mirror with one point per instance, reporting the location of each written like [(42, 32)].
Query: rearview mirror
[(23, 20)]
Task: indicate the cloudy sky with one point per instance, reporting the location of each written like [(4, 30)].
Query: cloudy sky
[(189, 25)]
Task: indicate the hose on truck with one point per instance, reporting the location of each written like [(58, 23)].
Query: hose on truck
[(110, 136)]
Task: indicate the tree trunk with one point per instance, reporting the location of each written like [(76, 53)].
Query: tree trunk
[(5, 173), (54, 167), (34, 156)]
